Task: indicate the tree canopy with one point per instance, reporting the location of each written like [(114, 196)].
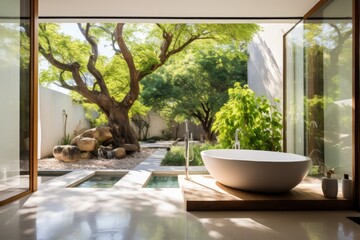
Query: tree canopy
[(195, 86)]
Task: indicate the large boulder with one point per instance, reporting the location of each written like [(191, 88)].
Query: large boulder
[(104, 134), (131, 147), (101, 134), (86, 144), (71, 153), (57, 151), (105, 152), (75, 140), (91, 133), (119, 153), (67, 153), (86, 155)]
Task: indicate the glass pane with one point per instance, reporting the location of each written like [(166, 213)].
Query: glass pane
[(319, 88), (295, 90), (328, 76), (14, 98)]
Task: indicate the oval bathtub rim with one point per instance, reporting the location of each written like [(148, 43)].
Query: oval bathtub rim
[(303, 158)]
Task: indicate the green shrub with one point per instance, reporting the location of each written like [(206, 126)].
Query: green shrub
[(259, 121), (176, 156)]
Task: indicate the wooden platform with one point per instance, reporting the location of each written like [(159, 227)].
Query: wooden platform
[(203, 193)]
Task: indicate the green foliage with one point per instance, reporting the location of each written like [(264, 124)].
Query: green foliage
[(195, 86), (176, 156), (259, 121)]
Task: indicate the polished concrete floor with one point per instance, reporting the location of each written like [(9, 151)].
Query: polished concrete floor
[(157, 214), (128, 211)]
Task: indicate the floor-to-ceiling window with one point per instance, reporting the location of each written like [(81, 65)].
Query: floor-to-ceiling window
[(15, 107), (319, 88), (294, 89)]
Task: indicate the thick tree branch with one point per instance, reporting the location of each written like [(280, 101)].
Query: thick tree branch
[(342, 37), (113, 40), (91, 65), (49, 56), (133, 94), (206, 110), (165, 54), (198, 115), (64, 84), (165, 45), (184, 45), (74, 68)]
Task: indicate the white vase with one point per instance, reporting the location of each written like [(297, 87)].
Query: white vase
[(329, 187)]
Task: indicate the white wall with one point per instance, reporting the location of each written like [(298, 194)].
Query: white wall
[(157, 125), (265, 65), (51, 119), (9, 93)]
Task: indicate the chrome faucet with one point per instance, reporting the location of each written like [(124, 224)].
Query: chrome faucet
[(237, 141)]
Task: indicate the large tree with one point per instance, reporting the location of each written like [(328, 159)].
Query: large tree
[(140, 49), (196, 86)]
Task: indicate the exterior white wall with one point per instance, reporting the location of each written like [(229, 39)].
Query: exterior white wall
[(51, 119), (265, 65), (157, 125), (9, 94)]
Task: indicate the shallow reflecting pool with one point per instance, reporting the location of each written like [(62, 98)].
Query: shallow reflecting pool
[(99, 181), (163, 181)]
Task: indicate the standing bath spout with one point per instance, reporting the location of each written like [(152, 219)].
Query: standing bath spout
[(237, 141), (187, 152)]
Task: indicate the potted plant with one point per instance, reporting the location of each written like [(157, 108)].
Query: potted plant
[(329, 185)]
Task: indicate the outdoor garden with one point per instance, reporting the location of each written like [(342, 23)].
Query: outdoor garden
[(121, 72)]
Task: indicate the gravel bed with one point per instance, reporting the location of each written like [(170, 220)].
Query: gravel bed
[(129, 162)]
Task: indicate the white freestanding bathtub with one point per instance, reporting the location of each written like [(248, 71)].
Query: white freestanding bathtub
[(256, 171)]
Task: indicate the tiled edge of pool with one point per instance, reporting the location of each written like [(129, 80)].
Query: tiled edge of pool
[(67, 179), (99, 174), (137, 177)]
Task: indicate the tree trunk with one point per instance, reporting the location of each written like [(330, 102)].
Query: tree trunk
[(121, 129), (209, 136)]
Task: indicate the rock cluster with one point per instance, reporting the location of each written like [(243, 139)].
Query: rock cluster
[(92, 142)]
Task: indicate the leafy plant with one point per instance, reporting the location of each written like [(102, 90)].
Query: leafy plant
[(176, 156), (259, 121)]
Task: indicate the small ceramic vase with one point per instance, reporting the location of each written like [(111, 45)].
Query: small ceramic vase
[(329, 187)]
